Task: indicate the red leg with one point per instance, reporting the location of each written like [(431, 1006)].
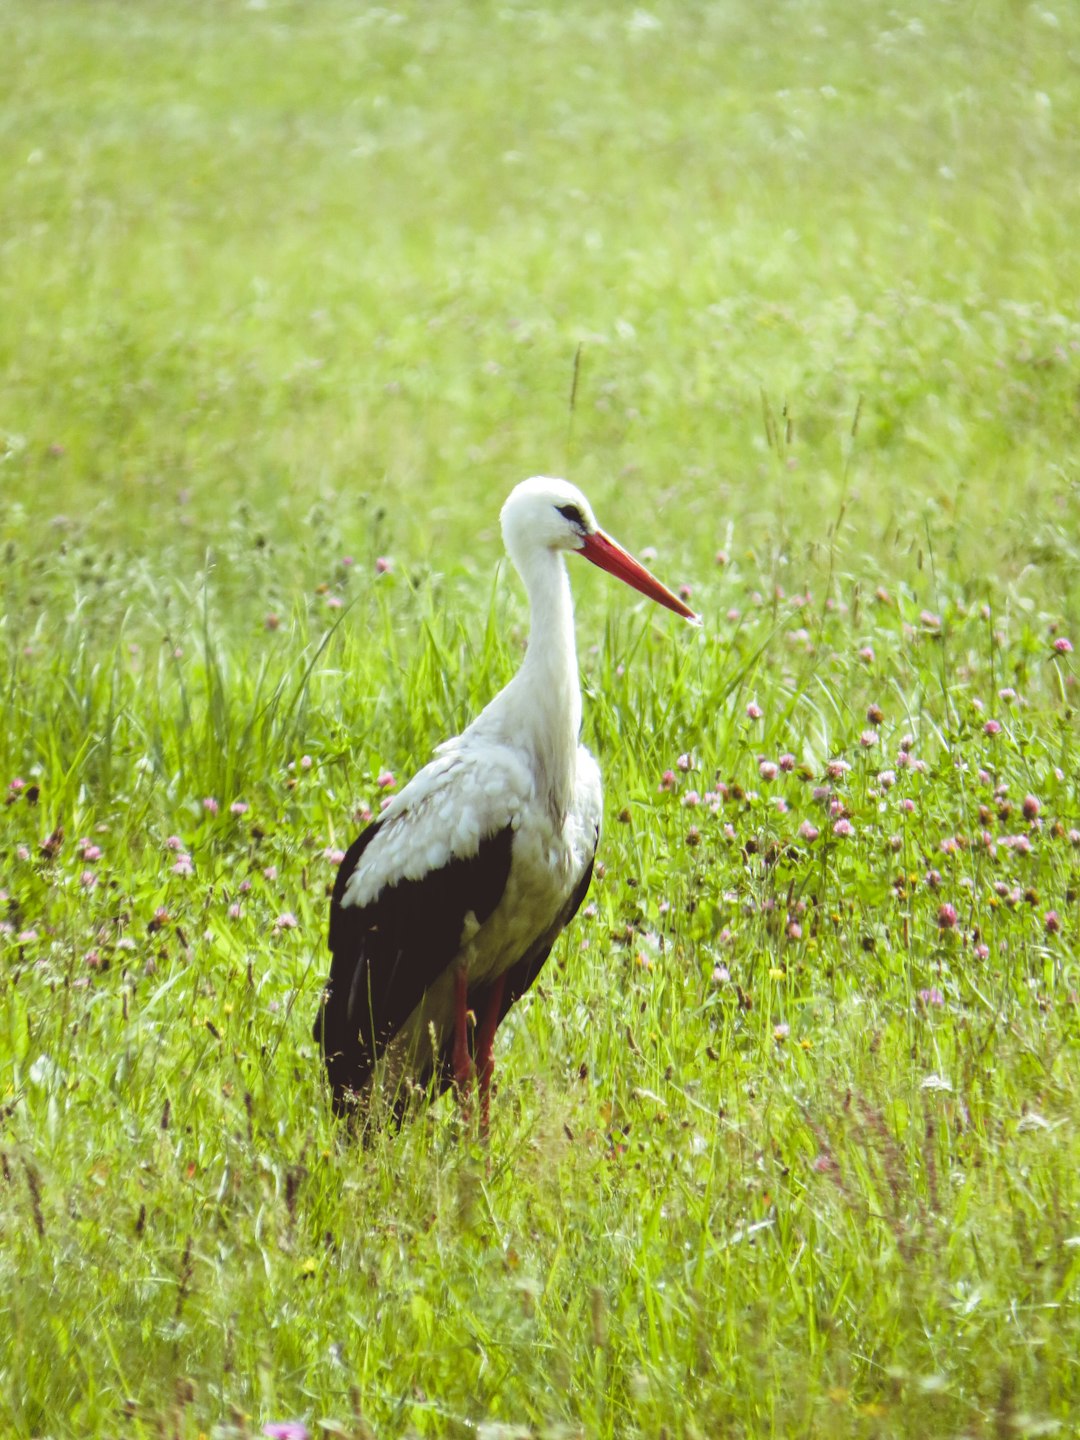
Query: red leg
[(463, 1065), (485, 1045)]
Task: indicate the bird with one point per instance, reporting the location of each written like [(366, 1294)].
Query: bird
[(446, 907)]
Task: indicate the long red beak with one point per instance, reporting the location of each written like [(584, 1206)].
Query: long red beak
[(610, 556)]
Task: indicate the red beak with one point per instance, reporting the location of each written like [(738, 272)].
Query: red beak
[(610, 556)]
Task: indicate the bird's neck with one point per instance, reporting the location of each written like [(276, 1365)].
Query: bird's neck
[(546, 692)]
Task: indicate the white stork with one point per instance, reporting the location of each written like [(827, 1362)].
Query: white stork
[(447, 906)]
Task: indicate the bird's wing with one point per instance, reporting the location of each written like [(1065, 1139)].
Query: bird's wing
[(417, 881)]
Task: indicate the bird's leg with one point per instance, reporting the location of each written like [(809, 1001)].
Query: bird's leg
[(485, 1045), (463, 1065)]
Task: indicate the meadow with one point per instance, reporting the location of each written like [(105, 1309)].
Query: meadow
[(785, 1142)]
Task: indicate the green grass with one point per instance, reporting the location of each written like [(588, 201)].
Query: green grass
[(286, 284)]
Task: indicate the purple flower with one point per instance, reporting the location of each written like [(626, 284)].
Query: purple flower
[(992, 727), (210, 805), (931, 996), (183, 866), (866, 654), (668, 780), (754, 710), (685, 762), (386, 780), (808, 832), (239, 807), (286, 1430), (286, 921), (1031, 807), (946, 917), (835, 769), (383, 564), (1052, 922), (1063, 646), (843, 827), (767, 769), (982, 952), (787, 763)]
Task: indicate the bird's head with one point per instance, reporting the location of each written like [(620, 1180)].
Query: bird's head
[(547, 514)]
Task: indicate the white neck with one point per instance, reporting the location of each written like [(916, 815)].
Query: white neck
[(541, 707)]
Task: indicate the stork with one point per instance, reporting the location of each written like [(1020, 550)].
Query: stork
[(448, 904)]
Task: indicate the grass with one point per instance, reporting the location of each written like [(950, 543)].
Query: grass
[(786, 1141)]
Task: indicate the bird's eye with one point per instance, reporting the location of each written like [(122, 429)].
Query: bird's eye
[(571, 513)]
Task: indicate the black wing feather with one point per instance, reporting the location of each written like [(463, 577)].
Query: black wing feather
[(388, 953)]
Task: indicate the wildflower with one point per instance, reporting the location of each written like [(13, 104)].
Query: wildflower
[(234, 912), (984, 777), (720, 975), (794, 930), (787, 763), (836, 808), (91, 852), (1052, 922), (722, 557), (334, 602), (685, 592), (271, 621), (866, 654), (930, 620), (693, 836), (734, 615), (17, 784), (875, 714), (174, 843), (946, 917), (907, 805), (286, 921), (333, 854), (26, 937), (808, 832), (22, 853), (386, 780), (886, 779), (933, 879), (668, 780), (1031, 807), (907, 742), (1074, 839), (992, 727), (767, 769), (868, 738), (685, 762), (691, 798), (183, 866), (1063, 646), (836, 769), (306, 762), (781, 1032), (88, 879), (822, 1163), (982, 952), (949, 845), (286, 1430), (931, 996), (843, 828), (383, 564), (754, 710), (210, 805), (781, 804), (239, 807), (270, 872)]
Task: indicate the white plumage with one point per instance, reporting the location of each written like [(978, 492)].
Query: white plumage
[(447, 906)]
